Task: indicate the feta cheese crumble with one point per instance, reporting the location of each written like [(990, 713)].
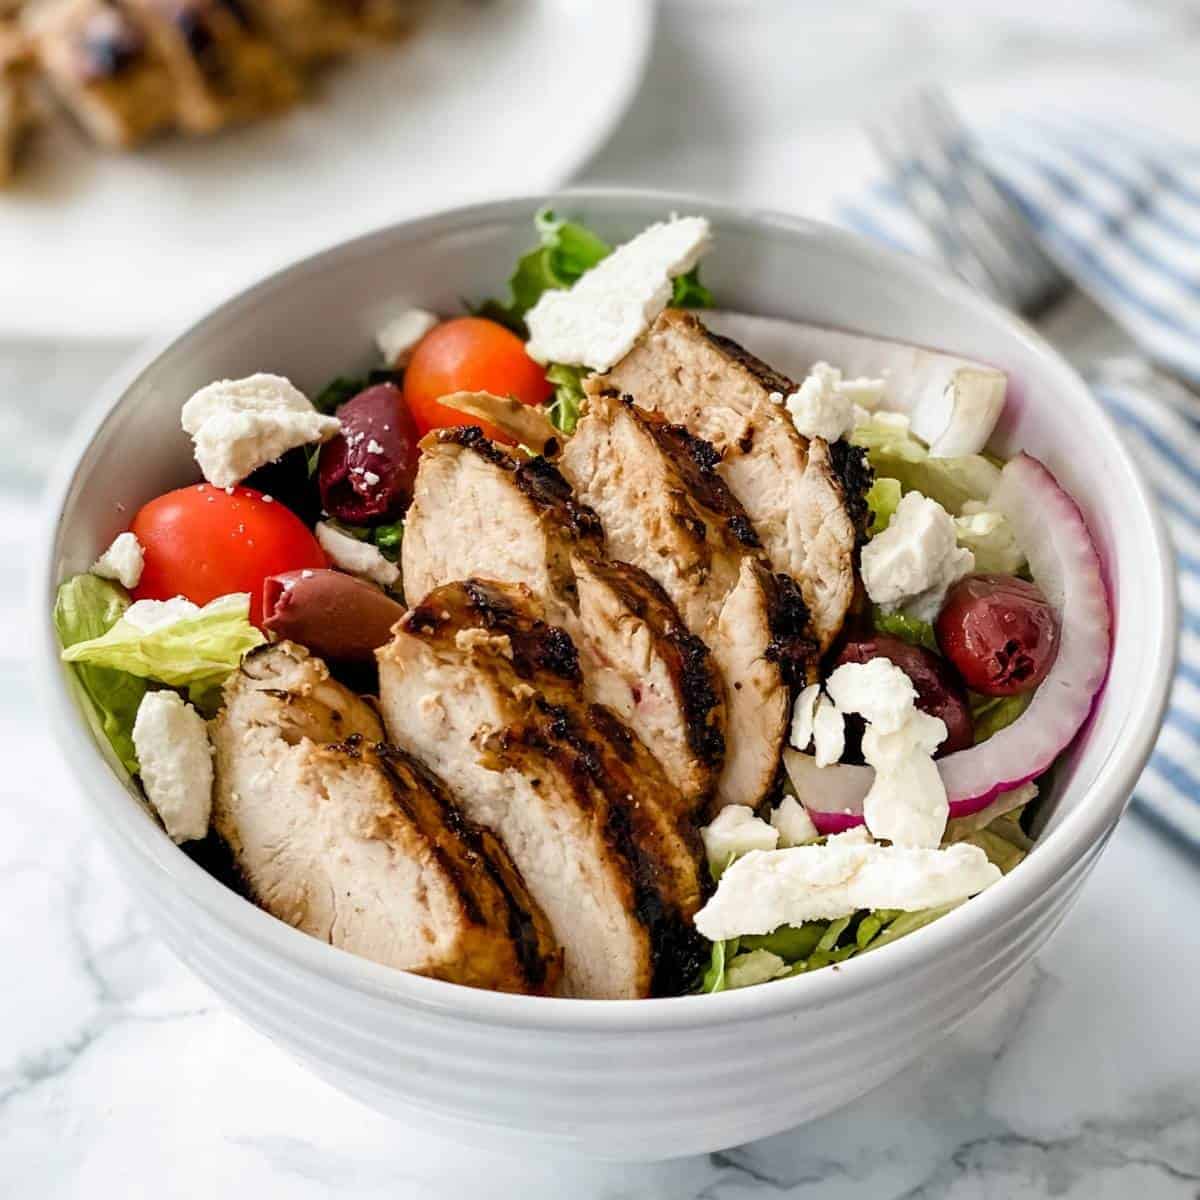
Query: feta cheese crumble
[(915, 560), (827, 406), (596, 322), (175, 763), (795, 826), (122, 561), (829, 733), (906, 803), (239, 425), (150, 615), (399, 337), (735, 831), (356, 558), (803, 712), (770, 888)]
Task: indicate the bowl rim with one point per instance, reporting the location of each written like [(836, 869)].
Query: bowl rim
[(1058, 852)]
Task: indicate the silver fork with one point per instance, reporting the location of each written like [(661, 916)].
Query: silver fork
[(981, 234)]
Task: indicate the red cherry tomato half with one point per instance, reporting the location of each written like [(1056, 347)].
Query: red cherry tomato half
[(470, 354), (202, 542)]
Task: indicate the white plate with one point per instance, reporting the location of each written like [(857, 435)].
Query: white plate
[(485, 98)]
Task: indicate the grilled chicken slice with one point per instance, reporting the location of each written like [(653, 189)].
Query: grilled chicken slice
[(665, 509), (806, 499), (481, 691), (16, 110), (222, 69), (356, 844), (104, 71), (478, 511)]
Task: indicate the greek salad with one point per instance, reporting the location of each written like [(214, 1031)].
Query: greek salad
[(600, 642)]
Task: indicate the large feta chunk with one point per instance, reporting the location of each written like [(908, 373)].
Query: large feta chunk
[(878, 690), (770, 888), (239, 425), (736, 831), (398, 338), (916, 559), (122, 561), (795, 826), (356, 558), (827, 406), (596, 322), (175, 763)]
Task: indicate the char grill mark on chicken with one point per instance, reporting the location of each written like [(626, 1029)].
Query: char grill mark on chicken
[(354, 842), (478, 511), (806, 499), (665, 509), (482, 691)]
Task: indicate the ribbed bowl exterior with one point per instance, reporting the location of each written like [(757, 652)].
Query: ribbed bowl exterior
[(626, 1079), (620, 1094)]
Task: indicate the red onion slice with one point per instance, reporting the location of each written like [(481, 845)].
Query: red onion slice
[(1063, 561)]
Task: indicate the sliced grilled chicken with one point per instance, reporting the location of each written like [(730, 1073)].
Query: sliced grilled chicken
[(478, 511), (484, 693), (806, 499), (356, 844), (16, 110), (103, 70), (665, 509), (222, 69)]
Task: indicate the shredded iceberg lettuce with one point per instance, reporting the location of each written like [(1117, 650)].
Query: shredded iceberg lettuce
[(175, 643)]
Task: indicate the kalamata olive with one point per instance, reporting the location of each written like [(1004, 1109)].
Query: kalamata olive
[(939, 691), (366, 472), (335, 616), (1000, 632), (287, 481)]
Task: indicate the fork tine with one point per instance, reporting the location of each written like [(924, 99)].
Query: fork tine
[(983, 236)]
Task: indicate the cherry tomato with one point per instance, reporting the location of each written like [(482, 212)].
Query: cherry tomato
[(202, 542), (1000, 632), (470, 354)]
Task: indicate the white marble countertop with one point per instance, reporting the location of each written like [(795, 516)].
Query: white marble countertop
[(121, 1076)]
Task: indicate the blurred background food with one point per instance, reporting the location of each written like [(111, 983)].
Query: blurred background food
[(129, 70)]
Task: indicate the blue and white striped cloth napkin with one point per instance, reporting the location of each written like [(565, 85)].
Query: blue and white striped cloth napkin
[(1119, 210)]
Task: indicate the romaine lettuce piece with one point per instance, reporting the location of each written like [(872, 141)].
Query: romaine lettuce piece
[(894, 451), (908, 629), (990, 537), (86, 608), (882, 500), (174, 642)]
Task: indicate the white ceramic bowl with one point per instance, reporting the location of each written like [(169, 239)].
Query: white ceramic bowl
[(624, 1079)]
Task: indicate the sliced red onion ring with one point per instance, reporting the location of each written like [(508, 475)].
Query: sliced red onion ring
[(1063, 561)]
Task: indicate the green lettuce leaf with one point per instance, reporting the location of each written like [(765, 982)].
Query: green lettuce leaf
[(386, 538), (909, 629), (86, 608), (994, 713), (568, 396), (895, 452), (566, 251), (882, 500), (197, 649), (990, 537), (714, 977)]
